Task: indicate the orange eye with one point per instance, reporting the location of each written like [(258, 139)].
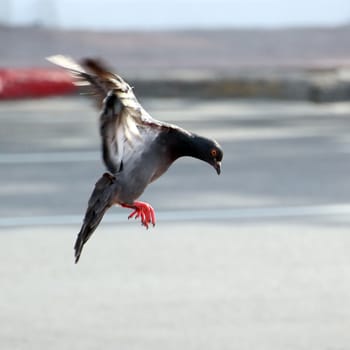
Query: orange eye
[(214, 152)]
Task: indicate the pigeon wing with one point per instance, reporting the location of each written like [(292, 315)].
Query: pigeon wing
[(122, 116), (95, 73)]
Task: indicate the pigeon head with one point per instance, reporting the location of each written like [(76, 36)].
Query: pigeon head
[(209, 151), (181, 143)]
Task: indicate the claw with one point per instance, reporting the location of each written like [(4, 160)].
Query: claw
[(144, 211)]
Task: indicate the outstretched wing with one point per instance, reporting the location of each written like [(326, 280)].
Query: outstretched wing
[(100, 200), (93, 72), (123, 121)]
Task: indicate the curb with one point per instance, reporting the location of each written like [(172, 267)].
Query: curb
[(321, 86)]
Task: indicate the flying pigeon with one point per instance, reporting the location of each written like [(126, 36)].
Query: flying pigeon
[(136, 148)]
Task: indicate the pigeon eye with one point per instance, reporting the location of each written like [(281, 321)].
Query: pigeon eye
[(214, 152)]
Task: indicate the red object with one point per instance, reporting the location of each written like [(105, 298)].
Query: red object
[(142, 210), (34, 82)]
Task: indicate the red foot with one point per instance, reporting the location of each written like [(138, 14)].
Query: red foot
[(144, 211)]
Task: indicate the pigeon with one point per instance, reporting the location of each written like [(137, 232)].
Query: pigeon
[(136, 148)]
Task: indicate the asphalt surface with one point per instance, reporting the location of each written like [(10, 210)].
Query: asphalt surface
[(256, 258)]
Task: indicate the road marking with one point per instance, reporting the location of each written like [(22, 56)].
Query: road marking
[(48, 157), (190, 215)]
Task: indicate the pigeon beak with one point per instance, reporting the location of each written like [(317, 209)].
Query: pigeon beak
[(217, 166)]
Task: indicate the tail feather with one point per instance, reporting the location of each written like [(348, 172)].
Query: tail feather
[(100, 201)]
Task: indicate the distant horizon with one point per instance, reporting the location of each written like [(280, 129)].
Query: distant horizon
[(180, 29)]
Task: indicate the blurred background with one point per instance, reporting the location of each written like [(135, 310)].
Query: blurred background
[(254, 258)]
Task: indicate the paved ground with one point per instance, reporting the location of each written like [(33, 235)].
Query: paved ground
[(260, 260)]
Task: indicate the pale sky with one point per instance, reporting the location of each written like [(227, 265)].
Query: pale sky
[(162, 14)]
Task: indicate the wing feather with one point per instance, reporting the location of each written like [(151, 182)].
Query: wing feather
[(120, 127), (94, 72)]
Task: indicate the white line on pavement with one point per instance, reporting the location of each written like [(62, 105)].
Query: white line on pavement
[(191, 215)]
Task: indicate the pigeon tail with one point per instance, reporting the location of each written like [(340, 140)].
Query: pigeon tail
[(100, 201)]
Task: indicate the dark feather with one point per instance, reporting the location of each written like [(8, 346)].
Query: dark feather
[(100, 200), (108, 126)]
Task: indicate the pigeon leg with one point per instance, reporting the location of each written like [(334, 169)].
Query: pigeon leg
[(142, 210)]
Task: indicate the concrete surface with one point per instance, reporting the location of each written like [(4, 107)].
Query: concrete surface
[(260, 261)]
